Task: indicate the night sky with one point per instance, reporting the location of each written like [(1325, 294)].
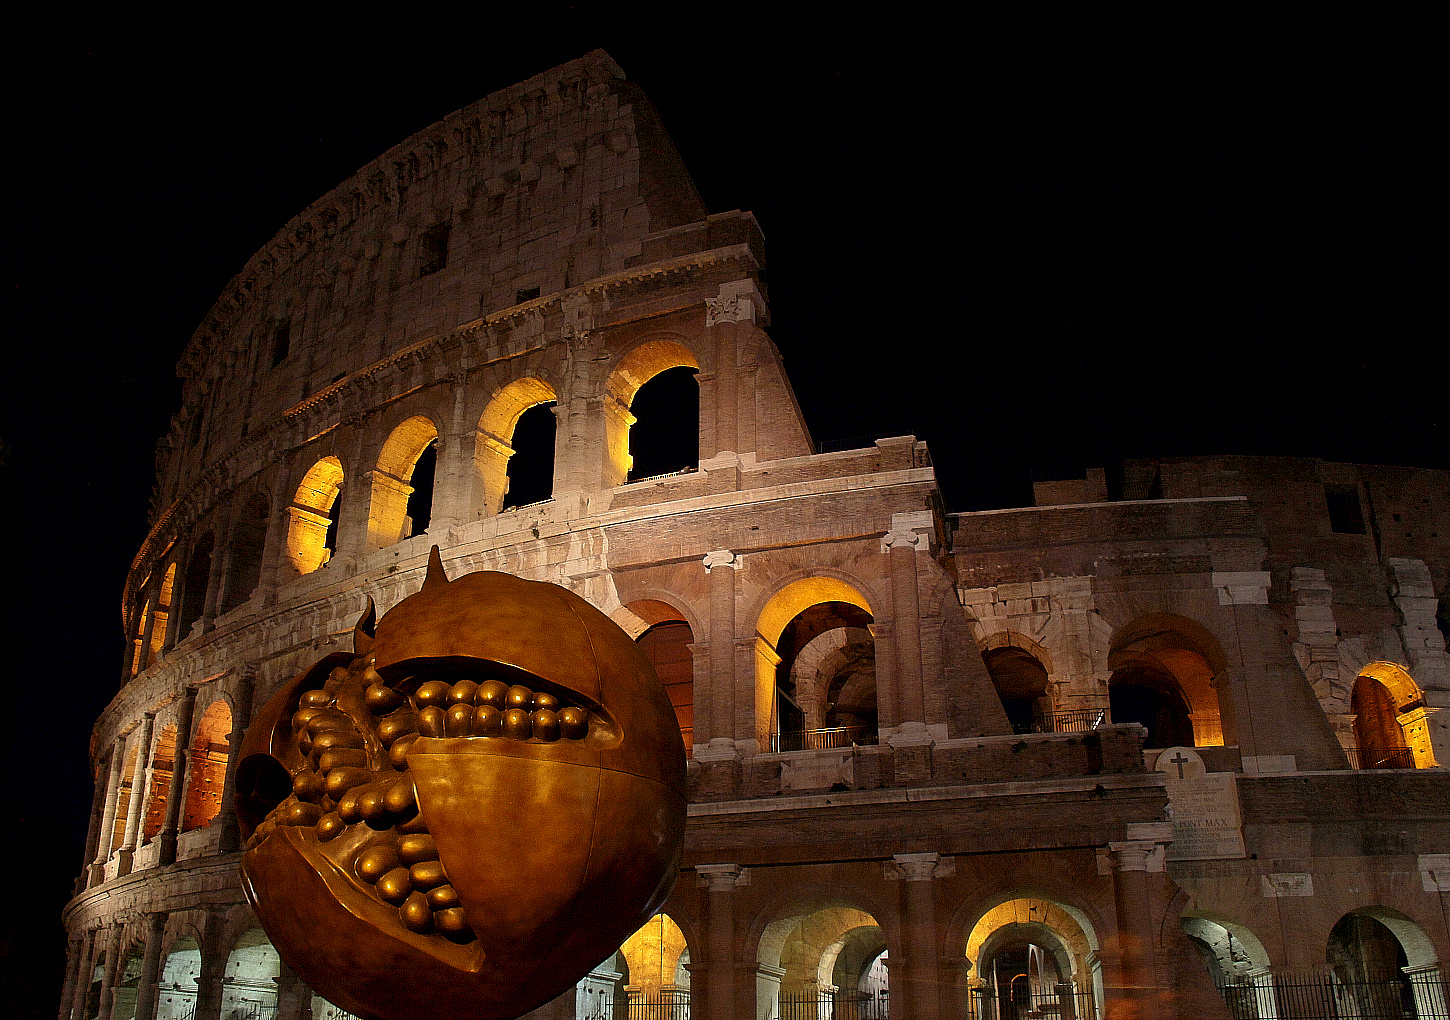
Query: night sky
[(1038, 247)]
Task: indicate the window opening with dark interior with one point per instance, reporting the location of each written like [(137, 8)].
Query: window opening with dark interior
[(1345, 516), (433, 250), (334, 515), (525, 294), (281, 343), (665, 436), (420, 502), (531, 468)]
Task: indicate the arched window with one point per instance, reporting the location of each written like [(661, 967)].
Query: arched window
[(162, 615), (514, 450), (162, 763), (312, 528), (194, 588), (817, 960), (176, 993), (652, 958), (130, 777), (1163, 678), (665, 437), (249, 985), (666, 644), (637, 368), (1021, 683), (138, 655), (249, 536), (208, 766), (402, 498)]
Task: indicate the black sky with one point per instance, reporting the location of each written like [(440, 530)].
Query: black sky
[(1039, 247)]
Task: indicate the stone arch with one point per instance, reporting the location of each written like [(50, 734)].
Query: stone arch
[(128, 980), (1382, 957), (313, 515), (636, 366), (664, 439), (392, 495), (1020, 669), (177, 986), (249, 979), (1390, 725), (835, 676), (774, 701), (208, 766), (666, 638), (1164, 669), (1074, 943), (249, 538), (195, 585), (493, 448), (138, 656), (653, 955), (160, 616), (163, 760), (791, 940)]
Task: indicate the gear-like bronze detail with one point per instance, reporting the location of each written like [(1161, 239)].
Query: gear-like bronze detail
[(470, 812)]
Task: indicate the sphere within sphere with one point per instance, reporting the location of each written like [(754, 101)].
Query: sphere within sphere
[(465, 816)]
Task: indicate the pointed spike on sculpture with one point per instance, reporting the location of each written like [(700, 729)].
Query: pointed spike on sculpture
[(364, 629), (436, 576)]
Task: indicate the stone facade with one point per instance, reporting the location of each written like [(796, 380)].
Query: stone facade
[(917, 739)]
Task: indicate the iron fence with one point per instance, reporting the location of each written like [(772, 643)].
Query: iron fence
[(825, 1005), (670, 1004), (1381, 757), (822, 739), (1079, 720), (1414, 997), (1020, 1004)]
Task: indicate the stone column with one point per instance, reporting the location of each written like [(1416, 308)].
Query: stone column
[(147, 987), (72, 969), (180, 767), (241, 718), (1136, 996), (914, 986), (901, 545), (275, 543), (93, 834), (453, 488), (739, 301), (221, 556), (294, 998), (108, 813), (213, 971), (115, 941), (727, 409), (719, 723), (718, 1000), (1413, 593), (84, 973), (140, 788)]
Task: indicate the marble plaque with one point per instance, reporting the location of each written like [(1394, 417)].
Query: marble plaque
[(1204, 808)]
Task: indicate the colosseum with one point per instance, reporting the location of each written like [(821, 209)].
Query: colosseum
[(1175, 753)]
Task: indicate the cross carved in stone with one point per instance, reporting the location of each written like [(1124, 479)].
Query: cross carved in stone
[(1180, 761)]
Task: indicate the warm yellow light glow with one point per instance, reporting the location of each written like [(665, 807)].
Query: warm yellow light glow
[(307, 529), (388, 508), (653, 954), (208, 766), (1408, 702), (1032, 910), (493, 448)]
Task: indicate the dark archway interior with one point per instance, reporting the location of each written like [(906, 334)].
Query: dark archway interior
[(666, 434), (1021, 683), (1368, 960), (809, 623), (1143, 693), (420, 503), (531, 468)]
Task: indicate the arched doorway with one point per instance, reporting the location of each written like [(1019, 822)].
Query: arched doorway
[(665, 436), (313, 517), (513, 459), (1163, 678), (1021, 683), (1391, 730), (1031, 953), (639, 367), (208, 766), (654, 960), (666, 642), (249, 985), (1384, 966), (822, 960), (1237, 963), (402, 483), (127, 987), (176, 991)]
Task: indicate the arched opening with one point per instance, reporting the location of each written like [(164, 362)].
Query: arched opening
[(138, 657), (531, 468), (654, 957), (249, 985), (507, 474), (161, 766), (1163, 678), (1021, 682), (1391, 730), (249, 537), (795, 616), (176, 991), (638, 367), (665, 436), (194, 588), (313, 515), (124, 793), (834, 679), (1237, 963), (402, 498), (1030, 953), (666, 644), (822, 959), (162, 614), (128, 985), (324, 1010), (208, 766)]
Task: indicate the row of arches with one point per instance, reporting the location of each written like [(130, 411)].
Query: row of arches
[(1164, 676), (653, 429)]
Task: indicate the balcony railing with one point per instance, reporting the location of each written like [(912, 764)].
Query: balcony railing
[(1381, 757), (843, 1005), (1078, 720), (822, 739), (1413, 997)]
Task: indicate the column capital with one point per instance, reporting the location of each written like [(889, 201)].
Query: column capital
[(738, 301), (918, 867), (1242, 587), (1136, 855), (720, 877), (722, 558)]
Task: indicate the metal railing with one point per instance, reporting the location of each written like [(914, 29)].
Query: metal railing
[(1381, 757), (661, 1005), (1414, 997), (825, 1005), (822, 739), (1078, 720), (1019, 1004)]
